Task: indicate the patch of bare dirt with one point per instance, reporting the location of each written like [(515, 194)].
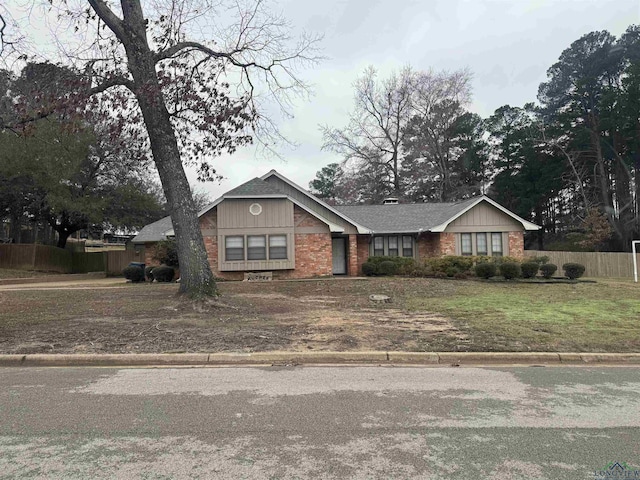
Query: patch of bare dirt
[(320, 315)]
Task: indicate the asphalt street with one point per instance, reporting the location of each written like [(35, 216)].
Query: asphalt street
[(320, 422)]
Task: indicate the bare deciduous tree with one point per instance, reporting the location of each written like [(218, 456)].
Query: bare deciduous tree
[(196, 86), (374, 136)]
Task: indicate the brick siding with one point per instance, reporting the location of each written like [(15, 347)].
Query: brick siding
[(516, 244), (363, 251), (447, 243), (428, 245), (313, 251)]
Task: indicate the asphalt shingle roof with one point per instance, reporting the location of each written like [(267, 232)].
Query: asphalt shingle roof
[(154, 232), (255, 187), (403, 218)]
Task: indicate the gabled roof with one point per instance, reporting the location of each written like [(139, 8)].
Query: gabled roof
[(155, 231), (418, 217), (525, 224), (359, 228), (258, 188), (255, 188), (368, 219)]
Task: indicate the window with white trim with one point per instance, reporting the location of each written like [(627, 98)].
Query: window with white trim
[(277, 247), (393, 246), (234, 248), (481, 244), (256, 247), (496, 244), (407, 246), (378, 246), (466, 245)]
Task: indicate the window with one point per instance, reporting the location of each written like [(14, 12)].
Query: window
[(407, 246), (496, 244), (256, 247), (481, 244), (465, 244), (393, 246), (378, 246), (234, 248), (277, 247)]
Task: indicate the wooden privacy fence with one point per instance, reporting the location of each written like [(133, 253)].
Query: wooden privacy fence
[(596, 264), (52, 259), (116, 261), (35, 257)]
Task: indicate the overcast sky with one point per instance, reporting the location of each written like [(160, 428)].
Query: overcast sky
[(507, 44)]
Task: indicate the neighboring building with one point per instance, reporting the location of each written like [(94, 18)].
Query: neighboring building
[(272, 224)]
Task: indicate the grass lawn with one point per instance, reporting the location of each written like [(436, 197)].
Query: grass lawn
[(602, 316), (336, 314), (10, 273)]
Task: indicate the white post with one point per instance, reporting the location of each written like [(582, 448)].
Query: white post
[(635, 260)]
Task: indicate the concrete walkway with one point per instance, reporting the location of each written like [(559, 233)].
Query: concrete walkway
[(79, 282)]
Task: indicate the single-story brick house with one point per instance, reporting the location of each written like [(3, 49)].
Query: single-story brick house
[(272, 224)]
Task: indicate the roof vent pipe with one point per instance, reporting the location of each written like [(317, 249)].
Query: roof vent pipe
[(390, 201)]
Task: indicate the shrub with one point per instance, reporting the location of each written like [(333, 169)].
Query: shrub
[(529, 269), (548, 269), (163, 273), (135, 274), (539, 260), (507, 259), (485, 270), (403, 265), (148, 274), (573, 270), (452, 271), (387, 268), (510, 270), (450, 265), (369, 269), (166, 252)]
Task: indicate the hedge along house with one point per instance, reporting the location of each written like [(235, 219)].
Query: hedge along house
[(272, 224)]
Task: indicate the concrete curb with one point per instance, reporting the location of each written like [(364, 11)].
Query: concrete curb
[(315, 358)]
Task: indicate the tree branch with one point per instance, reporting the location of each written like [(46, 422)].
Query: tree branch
[(112, 21), (111, 82)]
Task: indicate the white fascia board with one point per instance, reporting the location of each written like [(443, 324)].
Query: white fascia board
[(359, 228), (528, 226)]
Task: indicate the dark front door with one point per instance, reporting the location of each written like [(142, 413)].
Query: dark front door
[(339, 249)]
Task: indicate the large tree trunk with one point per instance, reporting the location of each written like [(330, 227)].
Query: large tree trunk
[(196, 278), (63, 236), (15, 228), (604, 185)]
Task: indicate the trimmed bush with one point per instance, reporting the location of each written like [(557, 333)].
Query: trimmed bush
[(486, 270), (452, 271), (510, 270), (548, 269), (166, 252), (135, 274), (369, 269), (529, 269), (541, 260), (163, 274), (148, 274), (573, 270), (450, 265), (387, 268), (403, 265)]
